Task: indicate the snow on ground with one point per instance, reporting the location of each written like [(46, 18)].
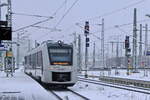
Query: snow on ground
[(99, 92), (22, 86), (122, 74)]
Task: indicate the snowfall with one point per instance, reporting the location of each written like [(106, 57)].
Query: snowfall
[(23, 87)]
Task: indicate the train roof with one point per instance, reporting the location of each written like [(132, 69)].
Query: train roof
[(59, 43), (50, 44)]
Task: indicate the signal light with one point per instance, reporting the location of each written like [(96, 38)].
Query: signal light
[(127, 44), (87, 44), (86, 28), (87, 39), (5, 33)]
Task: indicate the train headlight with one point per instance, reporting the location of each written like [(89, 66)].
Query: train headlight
[(60, 42)]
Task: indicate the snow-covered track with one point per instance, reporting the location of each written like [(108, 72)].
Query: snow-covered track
[(68, 94), (120, 86), (140, 84), (85, 98), (57, 96)]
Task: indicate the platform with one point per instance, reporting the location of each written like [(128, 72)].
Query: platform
[(21, 87)]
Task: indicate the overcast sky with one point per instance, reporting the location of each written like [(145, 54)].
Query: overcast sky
[(81, 11)]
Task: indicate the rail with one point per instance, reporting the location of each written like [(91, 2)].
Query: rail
[(125, 87)]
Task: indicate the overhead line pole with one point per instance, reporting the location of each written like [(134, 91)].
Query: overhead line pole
[(140, 47), (79, 53), (102, 44), (18, 49), (134, 51), (0, 11), (146, 46), (117, 57), (94, 55)]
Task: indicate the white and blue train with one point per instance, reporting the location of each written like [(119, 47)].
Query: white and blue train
[(52, 63)]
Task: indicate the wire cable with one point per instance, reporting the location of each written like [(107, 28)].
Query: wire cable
[(126, 24), (33, 24), (115, 11), (64, 3), (42, 21), (52, 29), (66, 13), (23, 14), (62, 17)]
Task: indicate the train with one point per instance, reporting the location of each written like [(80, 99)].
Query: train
[(52, 63)]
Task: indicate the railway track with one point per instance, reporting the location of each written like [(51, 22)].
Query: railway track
[(68, 94), (140, 84), (57, 96), (120, 86), (85, 98)]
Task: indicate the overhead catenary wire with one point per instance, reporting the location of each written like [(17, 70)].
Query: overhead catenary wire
[(52, 29), (42, 21), (33, 24), (61, 18), (66, 13), (115, 11), (126, 24), (24, 14), (63, 4)]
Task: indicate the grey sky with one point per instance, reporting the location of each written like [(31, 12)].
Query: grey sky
[(83, 10)]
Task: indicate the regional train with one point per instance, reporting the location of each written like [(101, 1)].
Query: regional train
[(52, 63)]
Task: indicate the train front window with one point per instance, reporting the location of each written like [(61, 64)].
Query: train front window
[(60, 56)]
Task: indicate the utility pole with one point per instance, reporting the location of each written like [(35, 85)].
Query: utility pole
[(9, 13), (0, 11), (102, 44), (79, 53), (117, 57), (112, 51), (75, 39), (18, 50), (146, 46), (140, 47), (94, 55), (134, 51), (9, 20)]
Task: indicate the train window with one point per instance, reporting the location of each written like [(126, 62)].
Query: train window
[(40, 63), (60, 56), (30, 60)]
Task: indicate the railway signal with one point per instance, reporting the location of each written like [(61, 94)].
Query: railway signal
[(86, 33), (86, 28), (127, 44), (127, 53), (6, 33)]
